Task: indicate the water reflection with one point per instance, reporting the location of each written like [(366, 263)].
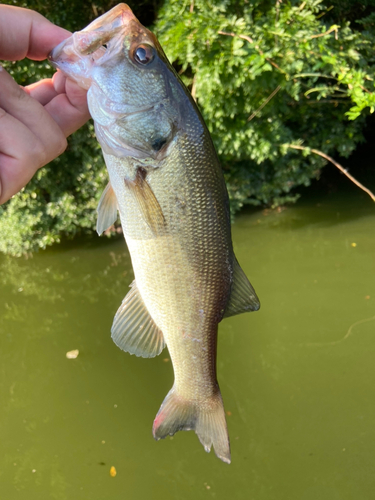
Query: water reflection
[(297, 377)]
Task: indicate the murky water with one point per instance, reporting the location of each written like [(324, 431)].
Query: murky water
[(297, 377)]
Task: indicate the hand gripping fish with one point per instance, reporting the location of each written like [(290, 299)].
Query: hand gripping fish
[(167, 184)]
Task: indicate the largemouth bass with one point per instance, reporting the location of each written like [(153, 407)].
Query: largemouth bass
[(168, 187)]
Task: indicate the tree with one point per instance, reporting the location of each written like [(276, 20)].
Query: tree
[(276, 82)]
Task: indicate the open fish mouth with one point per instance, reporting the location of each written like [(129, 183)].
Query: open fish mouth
[(76, 55)]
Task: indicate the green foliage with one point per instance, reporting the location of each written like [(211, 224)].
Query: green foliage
[(62, 198), (269, 74), (266, 74)]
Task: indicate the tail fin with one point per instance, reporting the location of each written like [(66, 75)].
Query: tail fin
[(206, 418)]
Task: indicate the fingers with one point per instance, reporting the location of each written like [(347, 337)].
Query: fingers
[(20, 156), (29, 137), (25, 33), (43, 91), (69, 108), (64, 100), (35, 121)]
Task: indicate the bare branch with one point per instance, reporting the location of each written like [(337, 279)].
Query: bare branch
[(253, 115), (334, 28), (340, 167)]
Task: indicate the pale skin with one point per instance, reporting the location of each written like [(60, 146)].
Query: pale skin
[(34, 120)]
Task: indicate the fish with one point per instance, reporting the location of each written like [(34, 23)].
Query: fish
[(167, 185)]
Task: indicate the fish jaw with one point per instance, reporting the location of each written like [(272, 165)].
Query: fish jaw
[(80, 53)]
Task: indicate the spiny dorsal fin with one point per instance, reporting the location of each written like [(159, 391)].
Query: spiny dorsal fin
[(243, 297), (147, 201), (134, 330), (107, 209)]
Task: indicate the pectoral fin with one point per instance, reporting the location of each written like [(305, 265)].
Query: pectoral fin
[(243, 297), (134, 330), (147, 202), (107, 210)]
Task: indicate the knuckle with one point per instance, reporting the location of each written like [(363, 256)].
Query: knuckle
[(62, 145), (57, 143), (38, 153), (19, 93), (46, 151)]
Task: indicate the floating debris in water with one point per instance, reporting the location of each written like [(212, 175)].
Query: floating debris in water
[(72, 354), (112, 471)]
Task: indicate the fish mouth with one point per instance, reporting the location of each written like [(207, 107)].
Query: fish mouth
[(71, 58), (76, 55)]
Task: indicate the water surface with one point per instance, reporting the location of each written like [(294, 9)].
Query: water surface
[(297, 377)]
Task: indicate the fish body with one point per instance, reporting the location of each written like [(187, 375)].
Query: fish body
[(167, 185)]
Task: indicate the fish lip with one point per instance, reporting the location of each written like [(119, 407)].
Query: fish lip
[(67, 58), (76, 55), (102, 29), (55, 53)]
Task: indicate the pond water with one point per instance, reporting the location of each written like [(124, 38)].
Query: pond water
[(297, 377)]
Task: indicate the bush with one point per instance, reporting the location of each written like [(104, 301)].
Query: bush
[(62, 197), (267, 76)]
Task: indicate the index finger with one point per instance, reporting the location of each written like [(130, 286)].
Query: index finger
[(25, 33)]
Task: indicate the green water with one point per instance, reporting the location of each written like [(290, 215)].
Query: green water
[(297, 377)]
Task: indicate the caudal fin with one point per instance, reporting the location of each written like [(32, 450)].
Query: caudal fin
[(206, 418)]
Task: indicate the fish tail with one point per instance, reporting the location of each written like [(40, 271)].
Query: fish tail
[(206, 418)]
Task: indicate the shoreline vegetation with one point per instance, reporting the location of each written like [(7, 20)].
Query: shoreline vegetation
[(284, 87)]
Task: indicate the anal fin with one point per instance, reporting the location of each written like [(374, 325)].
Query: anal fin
[(134, 330), (243, 297), (107, 209)]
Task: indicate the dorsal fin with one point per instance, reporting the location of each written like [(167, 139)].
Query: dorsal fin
[(243, 297), (107, 209), (134, 330)]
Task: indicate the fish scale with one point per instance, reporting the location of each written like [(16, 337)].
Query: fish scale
[(168, 186)]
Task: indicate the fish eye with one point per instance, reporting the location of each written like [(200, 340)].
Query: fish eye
[(144, 54)]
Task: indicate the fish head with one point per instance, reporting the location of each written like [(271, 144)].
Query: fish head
[(134, 94)]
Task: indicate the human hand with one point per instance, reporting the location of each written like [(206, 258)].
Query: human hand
[(34, 120)]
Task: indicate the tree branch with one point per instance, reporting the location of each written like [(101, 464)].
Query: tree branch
[(253, 115), (340, 167), (334, 28)]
